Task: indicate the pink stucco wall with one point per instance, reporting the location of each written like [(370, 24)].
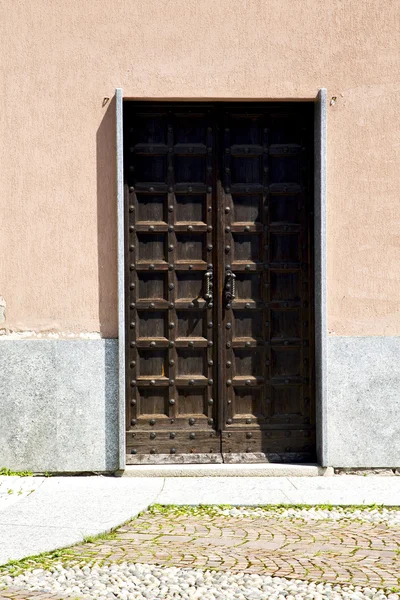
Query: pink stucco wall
[(57, 176)]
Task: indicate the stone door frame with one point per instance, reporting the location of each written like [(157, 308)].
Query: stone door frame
[(319, 282)]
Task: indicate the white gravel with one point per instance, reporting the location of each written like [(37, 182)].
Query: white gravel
[(367, 515), (139, 581)]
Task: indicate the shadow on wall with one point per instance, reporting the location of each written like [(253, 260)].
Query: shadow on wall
[(108, 273), (107, 223)]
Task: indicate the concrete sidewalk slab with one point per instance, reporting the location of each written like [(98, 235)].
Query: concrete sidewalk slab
[(252, 491), (14, 489), (226, 490), (346, 490), (64, 510)]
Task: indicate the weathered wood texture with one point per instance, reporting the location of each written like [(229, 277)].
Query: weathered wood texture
[(219, 280)]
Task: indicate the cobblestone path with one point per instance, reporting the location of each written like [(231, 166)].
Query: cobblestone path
[(343, 552), (340, 552)]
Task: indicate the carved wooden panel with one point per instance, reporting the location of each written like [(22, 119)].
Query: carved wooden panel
[(219, 281), (267, 320), (169, 161)]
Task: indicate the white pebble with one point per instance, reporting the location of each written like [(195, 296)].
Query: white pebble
[(140, 581), (367, 515)]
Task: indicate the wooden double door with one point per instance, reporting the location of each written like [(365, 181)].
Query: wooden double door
[(219, 282)]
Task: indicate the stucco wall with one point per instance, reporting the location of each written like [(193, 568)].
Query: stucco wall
[(57, 178)]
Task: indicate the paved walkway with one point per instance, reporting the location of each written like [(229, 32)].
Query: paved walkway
[(62, 511), (344, 552)]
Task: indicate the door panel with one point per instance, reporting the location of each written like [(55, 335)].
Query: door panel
[(267, 332), (169, 159), (219, 282)]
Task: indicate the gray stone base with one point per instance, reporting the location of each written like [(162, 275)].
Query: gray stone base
[(226, 470), (379, 472), (59, 403), (363, 403)]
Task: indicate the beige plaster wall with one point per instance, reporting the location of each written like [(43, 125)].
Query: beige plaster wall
[(59, 59)]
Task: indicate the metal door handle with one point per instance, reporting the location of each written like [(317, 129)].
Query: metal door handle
[(209, 286), (230, 286)]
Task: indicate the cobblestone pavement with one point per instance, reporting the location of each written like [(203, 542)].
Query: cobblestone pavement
[(342, 552)]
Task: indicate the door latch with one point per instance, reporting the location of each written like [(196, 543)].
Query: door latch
[(230, 286), (209, 286)]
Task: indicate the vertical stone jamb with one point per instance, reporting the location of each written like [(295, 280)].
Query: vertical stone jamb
[(121, 279), (321, 331)]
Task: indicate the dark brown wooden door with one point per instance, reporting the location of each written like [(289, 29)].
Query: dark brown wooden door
[(266, 339), (219, 282)]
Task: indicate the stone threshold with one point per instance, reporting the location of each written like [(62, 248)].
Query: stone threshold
[(227, 470)]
